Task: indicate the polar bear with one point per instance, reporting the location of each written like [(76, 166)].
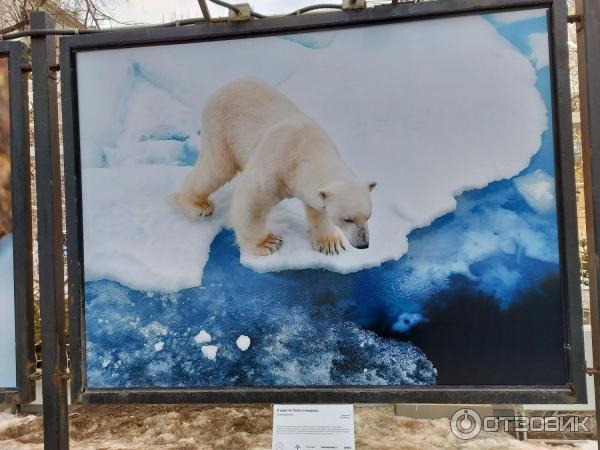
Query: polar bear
[(280, 152)]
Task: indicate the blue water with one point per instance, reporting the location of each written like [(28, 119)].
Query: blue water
[(299, 323)]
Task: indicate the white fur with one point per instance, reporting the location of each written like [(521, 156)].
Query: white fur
[(251, 128)]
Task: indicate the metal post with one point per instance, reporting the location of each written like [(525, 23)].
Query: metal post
[(588, 53), (205, 11), (50, 242), (21, 204)]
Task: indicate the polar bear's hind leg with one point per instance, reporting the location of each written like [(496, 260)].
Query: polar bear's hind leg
[(215, 167)]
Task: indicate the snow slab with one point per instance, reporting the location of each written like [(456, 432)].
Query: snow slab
[(454, 109), (7, 315)]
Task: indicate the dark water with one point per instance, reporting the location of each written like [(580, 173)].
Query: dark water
[(470, 340)]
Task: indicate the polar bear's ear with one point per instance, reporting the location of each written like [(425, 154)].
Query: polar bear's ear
[(324, 194), (372, 185)]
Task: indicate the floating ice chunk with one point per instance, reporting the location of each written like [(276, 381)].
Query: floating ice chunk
[(243, 342), (159, 346), (202, 338), (210, 351), (537, 188), (406, 321)]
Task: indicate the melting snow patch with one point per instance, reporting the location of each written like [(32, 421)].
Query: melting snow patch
[(210, 351), (202, 338), (243, 342)]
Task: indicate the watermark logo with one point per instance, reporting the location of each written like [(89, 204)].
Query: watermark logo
[(467, 424)]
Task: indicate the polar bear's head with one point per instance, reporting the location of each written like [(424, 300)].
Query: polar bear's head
[(347, 204)]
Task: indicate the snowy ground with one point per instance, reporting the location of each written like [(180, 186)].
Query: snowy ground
[(451, 112), (240, 428)]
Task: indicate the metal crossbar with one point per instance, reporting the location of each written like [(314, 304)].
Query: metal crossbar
[(176, 23), (72, 32)]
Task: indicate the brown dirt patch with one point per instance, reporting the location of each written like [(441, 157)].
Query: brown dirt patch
[(234, 428)]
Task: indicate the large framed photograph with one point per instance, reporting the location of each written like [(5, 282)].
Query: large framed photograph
[(358, 206), (16, 279)]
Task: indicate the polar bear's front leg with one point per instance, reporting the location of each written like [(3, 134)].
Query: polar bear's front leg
[(325, 238), (250, 208)]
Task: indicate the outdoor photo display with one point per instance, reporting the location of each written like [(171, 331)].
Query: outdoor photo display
[(350, 207), (7, 302)]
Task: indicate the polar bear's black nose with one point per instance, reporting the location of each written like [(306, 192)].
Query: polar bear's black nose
[(363, 246)]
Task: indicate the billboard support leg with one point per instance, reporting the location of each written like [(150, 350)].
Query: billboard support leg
[(50, 241), (588, 53)]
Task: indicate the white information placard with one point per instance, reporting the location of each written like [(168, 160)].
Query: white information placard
[(313, 427)]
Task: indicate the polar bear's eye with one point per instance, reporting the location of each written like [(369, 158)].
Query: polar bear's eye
[(348, 220)]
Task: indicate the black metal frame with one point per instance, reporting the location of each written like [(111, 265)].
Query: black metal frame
[(50, 233), (572, 392), (24, 392)]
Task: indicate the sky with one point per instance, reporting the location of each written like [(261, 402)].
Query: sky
[(156, 11)]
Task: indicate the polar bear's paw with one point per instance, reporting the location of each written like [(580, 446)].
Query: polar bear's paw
[(268, 245), (203, 209), (192, 207), (330, 244)]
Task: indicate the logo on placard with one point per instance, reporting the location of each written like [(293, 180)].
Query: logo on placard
[(465, 424)]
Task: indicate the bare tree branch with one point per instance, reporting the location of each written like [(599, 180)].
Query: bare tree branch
[(69, 13)]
